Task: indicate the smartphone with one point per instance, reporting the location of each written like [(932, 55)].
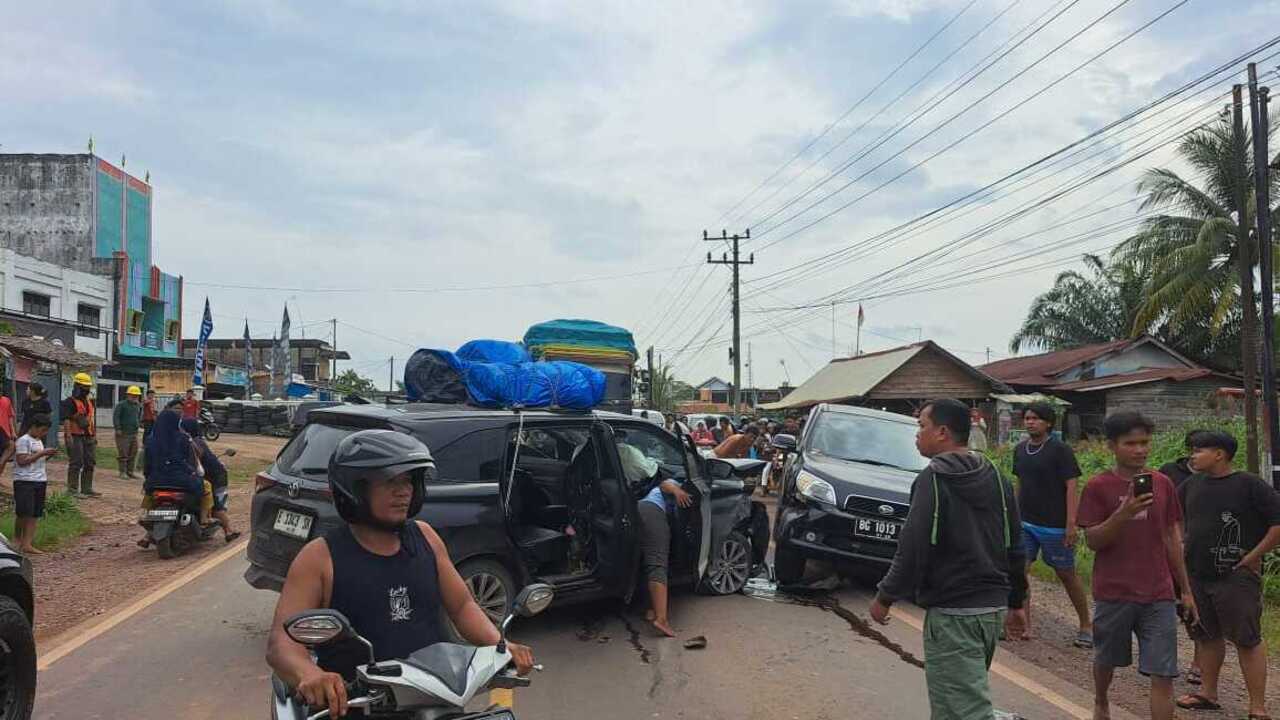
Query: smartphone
[(1143, 484)]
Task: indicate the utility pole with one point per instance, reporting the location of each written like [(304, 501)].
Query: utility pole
[(737, 313), (649, 364), (1244, 262), (333, 373), (1258, 99), (755, 395), (391, 375), (988, 354)]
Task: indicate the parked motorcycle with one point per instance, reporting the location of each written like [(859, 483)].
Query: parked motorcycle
[(783, 446), (208, 427), (433, 683)]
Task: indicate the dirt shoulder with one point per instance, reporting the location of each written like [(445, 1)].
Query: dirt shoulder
[(105, 568), (1054, 627)]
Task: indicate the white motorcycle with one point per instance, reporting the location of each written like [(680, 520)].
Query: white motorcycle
[(434, 683)]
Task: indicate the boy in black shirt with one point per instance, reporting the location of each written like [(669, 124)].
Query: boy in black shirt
[(1233, 520), (1047, 474)]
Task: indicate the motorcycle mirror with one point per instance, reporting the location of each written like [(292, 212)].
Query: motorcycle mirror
[(315, 628), (532, 600)]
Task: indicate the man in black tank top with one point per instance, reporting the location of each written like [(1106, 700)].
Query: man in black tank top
[(387, 573)]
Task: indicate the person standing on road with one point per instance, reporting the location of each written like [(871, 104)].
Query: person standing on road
[(1048, 474), (959, 557), (148, 413), (1137, 536), (190, 406), (80, 435), (977, 431), (1233, 521), (30, 483), (8, 431), (126, 418)]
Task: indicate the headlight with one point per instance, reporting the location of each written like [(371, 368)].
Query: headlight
[(815, 488)]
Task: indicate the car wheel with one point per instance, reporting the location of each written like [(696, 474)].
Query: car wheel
[(730, 567), (493, 589), (788, 565), (17, 662)]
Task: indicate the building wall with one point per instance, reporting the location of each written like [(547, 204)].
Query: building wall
[(926, 376), (47, 210), (1169, 404), (310, 362), (65, 288), (1144, 356)]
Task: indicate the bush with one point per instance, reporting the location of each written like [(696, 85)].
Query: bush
[(61, 523)]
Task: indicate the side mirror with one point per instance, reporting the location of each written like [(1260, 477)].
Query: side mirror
[(782, 441), (719, 469), (316, 628), (533, 599)]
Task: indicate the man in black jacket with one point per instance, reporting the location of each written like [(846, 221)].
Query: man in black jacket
[(960, 556)]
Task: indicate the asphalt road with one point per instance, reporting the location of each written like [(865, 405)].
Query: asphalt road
[(198, 653)]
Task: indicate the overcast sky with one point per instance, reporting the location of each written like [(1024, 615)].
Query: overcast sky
[(516, 162)]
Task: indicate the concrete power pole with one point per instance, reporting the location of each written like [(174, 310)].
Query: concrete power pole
[(737, 312), (649, 390), (391, 375), (1248, 333), (1258, 98)]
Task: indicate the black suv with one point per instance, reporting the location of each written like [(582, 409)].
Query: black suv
[(846, 490), (565, 515), (17, 642)]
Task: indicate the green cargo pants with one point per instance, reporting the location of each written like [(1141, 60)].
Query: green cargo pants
[(958, 650)]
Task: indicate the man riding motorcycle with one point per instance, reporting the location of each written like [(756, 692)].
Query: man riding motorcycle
[(387, 573)]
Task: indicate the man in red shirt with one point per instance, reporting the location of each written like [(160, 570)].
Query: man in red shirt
[(8, 431), (1132, 520), (191, 406)]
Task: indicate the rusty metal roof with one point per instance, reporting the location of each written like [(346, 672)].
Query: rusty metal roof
[(41, 349)]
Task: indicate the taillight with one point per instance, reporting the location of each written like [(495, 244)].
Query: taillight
[(262, 481)]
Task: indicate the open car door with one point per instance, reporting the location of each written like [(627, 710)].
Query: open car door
[(697, 477), (614, 522)]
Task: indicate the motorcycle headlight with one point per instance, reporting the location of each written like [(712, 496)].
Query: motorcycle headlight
[(815, 488)]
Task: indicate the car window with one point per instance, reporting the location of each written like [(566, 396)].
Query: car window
[(474, 457), (309, 451), (552, 443), (656, 445), (865, 439)]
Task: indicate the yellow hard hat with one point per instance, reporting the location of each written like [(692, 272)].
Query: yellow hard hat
[(83, 379), (133, 390)]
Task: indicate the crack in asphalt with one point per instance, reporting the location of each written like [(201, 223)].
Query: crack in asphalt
[(634, 639)]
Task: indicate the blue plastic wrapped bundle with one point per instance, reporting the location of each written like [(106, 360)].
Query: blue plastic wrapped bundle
[(567, 385), (493, 351)]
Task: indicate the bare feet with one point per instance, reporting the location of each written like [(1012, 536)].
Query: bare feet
[(649, 615), (1101, 712), (31, 550), (663, 627)]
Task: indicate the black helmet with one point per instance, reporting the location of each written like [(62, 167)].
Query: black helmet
[(370, 455)]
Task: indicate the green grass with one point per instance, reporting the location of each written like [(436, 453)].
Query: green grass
[(61, 523), (1167, 446)]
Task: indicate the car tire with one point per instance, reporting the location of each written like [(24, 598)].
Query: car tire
[(491, 586), (17, 662), (730, 566), (788, 565)]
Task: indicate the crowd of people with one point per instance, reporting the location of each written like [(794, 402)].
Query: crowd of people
[(1181, 545)]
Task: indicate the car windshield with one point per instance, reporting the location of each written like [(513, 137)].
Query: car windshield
[(864, 439), (308, 453)]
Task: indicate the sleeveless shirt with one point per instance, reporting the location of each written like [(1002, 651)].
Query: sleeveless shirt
[(392, 601)]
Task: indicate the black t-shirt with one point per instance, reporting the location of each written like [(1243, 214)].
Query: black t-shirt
[(1226, 517), (32, 408), (1043, 471), (1178, 471)]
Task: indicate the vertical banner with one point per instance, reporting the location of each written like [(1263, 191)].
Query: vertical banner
[(275, 364), (285, 360), (248, 361), (206, 329)]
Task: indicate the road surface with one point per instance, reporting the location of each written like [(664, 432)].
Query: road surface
[(198, 653)]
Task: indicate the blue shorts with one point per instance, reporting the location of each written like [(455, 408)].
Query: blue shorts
[(1049, 543)]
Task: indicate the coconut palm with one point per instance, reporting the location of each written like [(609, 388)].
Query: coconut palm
[(1083, 309)]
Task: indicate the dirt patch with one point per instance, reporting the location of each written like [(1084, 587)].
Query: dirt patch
[(105, 567), (1055, 629)]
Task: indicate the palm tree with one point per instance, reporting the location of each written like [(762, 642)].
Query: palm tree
[(1082, 310), (1200, 248)]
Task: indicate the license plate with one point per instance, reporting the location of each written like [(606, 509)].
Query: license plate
[(876, 529), (293, 524), (166, 514)]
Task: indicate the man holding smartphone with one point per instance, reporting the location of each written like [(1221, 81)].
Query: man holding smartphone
[(1132, 520), (1233, 520)]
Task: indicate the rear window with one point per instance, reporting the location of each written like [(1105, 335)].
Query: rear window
[(309, 451)]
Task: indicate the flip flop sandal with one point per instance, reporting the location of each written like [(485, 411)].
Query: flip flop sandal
[(1198, 702), (696, 643), (1193, 677), (1083, 640)]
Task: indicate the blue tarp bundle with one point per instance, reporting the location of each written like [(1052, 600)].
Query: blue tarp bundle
[(582, 333), (493, 351)]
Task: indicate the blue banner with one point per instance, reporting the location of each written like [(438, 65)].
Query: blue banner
[(206, 329)]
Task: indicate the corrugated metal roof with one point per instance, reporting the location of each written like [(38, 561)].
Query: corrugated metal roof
[(1136, 378), (847, 378), (42, 349), (1039, 369)]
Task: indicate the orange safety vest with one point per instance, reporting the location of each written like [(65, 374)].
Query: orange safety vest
[(84, 407)]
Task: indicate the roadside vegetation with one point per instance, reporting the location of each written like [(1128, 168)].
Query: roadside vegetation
[(62, 522), (1167, 446)]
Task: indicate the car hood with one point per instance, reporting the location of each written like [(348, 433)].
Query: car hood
[(745, 467), (847, 477)]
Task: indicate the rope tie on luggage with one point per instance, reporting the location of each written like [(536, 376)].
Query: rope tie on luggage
[(515, 458)]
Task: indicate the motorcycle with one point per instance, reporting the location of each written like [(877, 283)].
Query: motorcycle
[(172, 521), (434, 683), (783, 445), (208, 427)]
